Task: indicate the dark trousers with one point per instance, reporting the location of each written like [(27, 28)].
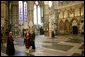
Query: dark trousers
[(32, 44)]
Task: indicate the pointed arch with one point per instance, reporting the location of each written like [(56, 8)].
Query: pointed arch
[(61, 26), (74, 19), (67, 26)]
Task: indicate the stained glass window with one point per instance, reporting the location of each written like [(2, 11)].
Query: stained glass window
[(22, 12)]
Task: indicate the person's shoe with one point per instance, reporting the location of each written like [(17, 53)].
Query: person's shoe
[(27, 50), (33, 50)]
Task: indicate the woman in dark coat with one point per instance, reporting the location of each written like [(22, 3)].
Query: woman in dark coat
[(10, 45)]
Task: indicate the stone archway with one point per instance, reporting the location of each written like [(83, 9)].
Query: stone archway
[(74, 26), (66, 27), (61, 26)]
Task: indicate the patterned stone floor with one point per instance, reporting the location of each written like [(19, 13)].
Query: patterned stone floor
[(58, 46), (61, 45)]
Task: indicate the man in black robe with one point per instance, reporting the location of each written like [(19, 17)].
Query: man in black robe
[(10, 50)]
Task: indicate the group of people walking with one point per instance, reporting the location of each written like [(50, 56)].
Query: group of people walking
[(29, 41)]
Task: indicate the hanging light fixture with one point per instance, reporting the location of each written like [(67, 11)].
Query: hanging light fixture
[(36, 2), (50, 4)]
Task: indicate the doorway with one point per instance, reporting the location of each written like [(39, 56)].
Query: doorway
[(75, 30)]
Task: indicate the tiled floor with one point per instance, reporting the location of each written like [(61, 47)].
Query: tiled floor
[(58, 46), (61, 45)]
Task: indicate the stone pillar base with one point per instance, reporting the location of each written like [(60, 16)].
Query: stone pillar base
[(50, 34)]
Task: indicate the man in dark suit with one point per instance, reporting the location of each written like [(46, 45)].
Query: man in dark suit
[(32, 40)]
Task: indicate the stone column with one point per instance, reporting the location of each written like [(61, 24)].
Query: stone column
[(46, 19), (50, 23), (30, 6), (56, 12), (4, 19), (56, 19), (15, 19)]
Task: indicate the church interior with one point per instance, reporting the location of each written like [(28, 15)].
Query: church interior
[(58, 27)]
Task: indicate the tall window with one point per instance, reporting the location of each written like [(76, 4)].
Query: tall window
[(22, 12), (25, 11), (37, 14)]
